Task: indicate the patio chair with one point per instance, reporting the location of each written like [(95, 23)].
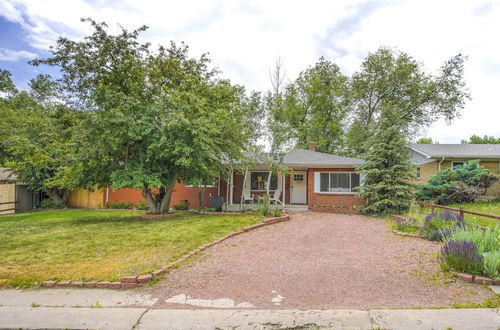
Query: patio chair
[(276, 196), (247, 197)]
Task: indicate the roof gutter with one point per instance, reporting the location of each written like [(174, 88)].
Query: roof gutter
[(439, 165)]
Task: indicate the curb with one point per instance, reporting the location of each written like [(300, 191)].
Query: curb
[(130, 282), (478, 279)]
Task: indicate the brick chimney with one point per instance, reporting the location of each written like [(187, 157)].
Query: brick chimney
[(311, 146)]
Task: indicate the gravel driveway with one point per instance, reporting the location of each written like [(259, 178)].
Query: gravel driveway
[(317, 260)]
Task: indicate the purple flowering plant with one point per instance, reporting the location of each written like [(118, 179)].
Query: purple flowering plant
[(461, 256), (438, 226)]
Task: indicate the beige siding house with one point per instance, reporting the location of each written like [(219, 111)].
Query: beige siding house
[(431, 158)]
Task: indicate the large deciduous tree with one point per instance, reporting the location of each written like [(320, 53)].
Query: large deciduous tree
[(476, 139), (155, 117), (394, 80)]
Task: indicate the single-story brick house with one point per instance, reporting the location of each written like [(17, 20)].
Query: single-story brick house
[(318, 181), (432, 158)]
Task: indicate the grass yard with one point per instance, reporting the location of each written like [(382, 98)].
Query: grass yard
[(493, 208), (100, 244)]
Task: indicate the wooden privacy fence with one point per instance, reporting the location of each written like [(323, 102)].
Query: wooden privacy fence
[(7, 198), (83, 198), (459, 210), (15, 198)]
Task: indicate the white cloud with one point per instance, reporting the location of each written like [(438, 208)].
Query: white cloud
[(245, 37), (15, 55)]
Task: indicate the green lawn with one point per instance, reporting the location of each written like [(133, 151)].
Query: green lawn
[(100, 245), (492, 208)]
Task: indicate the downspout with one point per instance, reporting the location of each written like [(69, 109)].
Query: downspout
[(439, 165)]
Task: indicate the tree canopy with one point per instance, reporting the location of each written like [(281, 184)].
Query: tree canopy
[(475, 139)]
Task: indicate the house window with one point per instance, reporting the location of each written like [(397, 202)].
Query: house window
[(298, 177), (258, 181), (455, 164), (335, 182), (417, 174)]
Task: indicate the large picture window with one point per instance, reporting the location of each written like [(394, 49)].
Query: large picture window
[(258, 181), (338, 182)]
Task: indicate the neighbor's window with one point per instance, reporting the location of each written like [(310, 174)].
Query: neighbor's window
[(338, 182), (418, 172), (258, 181), (455, 164)]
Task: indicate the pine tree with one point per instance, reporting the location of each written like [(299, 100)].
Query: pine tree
[(388, 171)]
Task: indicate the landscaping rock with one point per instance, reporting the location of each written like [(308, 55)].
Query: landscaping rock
[(49, 284), (129, 279), (128, 285), (76, 284), (465, 277), (63, 284), (103, 284), (145, 278), (483, 280), (496, 282), (115, 285), (90, 284)]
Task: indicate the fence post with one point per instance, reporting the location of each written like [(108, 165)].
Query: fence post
[(462, 214)]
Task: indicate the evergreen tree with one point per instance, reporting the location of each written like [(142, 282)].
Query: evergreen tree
[(387, 171)]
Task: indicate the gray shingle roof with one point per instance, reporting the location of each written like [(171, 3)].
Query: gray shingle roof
[(7, 175), (309, 157), (458, 150)]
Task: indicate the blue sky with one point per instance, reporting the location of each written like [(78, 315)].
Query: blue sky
[(245, 37)]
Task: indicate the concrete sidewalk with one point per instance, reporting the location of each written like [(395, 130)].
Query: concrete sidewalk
[(142, 318)]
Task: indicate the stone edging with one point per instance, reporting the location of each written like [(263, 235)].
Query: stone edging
[(130, 282), (148, 216), (475, 278), (402, 233)]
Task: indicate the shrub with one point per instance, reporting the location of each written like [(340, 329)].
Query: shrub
[(276, 213), (487, 240), (408, 225), (142, 205), (264, 204), (440, 225), (491, 266), (457, 185), (47, 204), (461, 256), (181, 206), (120, 205)]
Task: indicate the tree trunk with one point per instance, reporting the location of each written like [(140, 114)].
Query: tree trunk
[(201, 197), (158, 203), (243, 189), (59, 196)]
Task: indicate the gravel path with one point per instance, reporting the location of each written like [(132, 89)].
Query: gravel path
[(319, 260)]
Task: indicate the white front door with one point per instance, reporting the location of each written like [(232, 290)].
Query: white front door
[(298, 183)]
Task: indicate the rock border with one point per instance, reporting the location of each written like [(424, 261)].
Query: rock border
[(478, 279), (129, 282), (402, 233)]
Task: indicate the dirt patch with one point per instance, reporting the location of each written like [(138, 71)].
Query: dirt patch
[(321, 260)]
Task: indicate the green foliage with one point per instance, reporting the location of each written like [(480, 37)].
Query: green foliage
[(142, 205), (475, 139), (487, 240), (425, 141), (492, 264), (181, 206), (276, 212), (387, 172), (457, 185), (408, 225), (461, 256), (119, 205), (395, 80), (264, 205), (47, 204)]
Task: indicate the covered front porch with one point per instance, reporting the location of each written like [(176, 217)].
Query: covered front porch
[(287, 207), (287, 189)]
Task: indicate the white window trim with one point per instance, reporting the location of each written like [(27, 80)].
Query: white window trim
[(458, 161), (338, 192)]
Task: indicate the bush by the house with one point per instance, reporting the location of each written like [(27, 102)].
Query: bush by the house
[(474, 251), (181, 206), (120, 205), (142, 205), (461, 256), (264, 205), (47, 204), (458, 185), (437, 226)]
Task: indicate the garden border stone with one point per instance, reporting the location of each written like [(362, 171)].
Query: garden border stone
[(129, 282), (401, 233)]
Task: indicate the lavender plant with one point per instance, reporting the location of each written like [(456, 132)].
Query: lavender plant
[(437, 226), (461, 256)]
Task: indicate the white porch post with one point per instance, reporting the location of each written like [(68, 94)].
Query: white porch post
[(231, 192)]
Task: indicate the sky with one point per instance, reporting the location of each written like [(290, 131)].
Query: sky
[(244, 38)]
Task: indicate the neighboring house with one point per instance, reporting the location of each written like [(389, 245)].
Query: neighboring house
[(6, 176), (313, 180), (431, 158), (16, 196)]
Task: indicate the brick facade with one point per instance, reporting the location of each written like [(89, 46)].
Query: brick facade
[(328, 202)]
